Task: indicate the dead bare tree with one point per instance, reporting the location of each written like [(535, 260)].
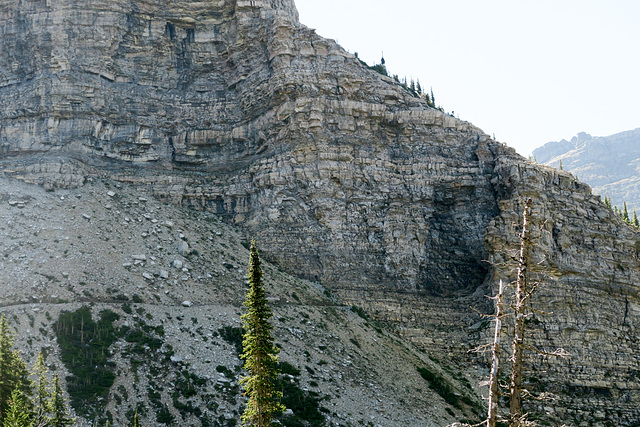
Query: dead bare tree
[(519, 309), (494, 386)]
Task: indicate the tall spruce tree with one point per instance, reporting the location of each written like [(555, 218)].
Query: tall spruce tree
[(259, 352), (60, 416), (41, 399)]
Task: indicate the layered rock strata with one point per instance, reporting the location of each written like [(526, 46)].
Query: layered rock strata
[(345, 176)]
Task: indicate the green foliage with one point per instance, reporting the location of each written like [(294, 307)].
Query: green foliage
[(13, 370), (84, 348), (360, 312), (623, 213), (287, 368), (42, 393), (304, 404), (28, 404), (163, 416), (380, 69), (233, 336), (58, 406), (19, 412), (260, 353), (440, 386)]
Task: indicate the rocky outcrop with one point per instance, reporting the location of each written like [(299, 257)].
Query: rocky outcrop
[(346, 177), (608, 163)]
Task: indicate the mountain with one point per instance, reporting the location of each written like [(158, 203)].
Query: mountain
[(350, 183), (172, 282), (608, 163)]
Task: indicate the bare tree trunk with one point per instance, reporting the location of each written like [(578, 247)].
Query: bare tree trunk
[(492, 416), (515, 404)]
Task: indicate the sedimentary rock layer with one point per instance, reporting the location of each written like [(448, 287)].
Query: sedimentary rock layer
[(345, 176)]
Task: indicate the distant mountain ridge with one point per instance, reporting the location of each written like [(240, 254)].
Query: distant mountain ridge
[(610, 164)]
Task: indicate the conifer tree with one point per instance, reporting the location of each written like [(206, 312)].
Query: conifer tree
[(60, 416), (42, 396), (13, 370), (136, 420), (625, 213), (260, 353), (18, 411), (635, 219)]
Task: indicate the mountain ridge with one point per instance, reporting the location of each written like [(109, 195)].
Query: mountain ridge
[(348, 179), (608, 163)]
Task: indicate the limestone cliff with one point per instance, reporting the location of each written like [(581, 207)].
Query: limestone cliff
[(347, 178)]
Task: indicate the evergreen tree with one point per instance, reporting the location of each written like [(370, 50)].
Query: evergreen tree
[(13, 371), (42, 396), (560, 165), (635, 219), (625, 213), (607, 201), (418, 87), (260, 353), (18, 411), (136, 420), (433, 99), (60, 416)]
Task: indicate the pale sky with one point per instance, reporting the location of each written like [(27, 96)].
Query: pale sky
[(529, 72)]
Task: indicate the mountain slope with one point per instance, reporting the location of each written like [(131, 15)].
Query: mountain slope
[(609, 164), (111, 247), (349, 180)]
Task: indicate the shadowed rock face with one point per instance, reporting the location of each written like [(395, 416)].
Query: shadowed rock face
[(343, 175)]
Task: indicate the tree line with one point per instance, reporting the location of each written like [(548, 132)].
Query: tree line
[(623, 212)]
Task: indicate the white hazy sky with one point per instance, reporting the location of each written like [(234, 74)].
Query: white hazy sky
[(529, 72)]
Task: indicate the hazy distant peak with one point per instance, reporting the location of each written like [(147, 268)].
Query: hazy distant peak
[(581, 137), (610, 164)]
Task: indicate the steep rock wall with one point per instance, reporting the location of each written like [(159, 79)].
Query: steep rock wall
[(345, 176)]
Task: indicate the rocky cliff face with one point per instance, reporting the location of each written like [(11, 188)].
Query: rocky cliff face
[(346, 177), (608, 163)]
